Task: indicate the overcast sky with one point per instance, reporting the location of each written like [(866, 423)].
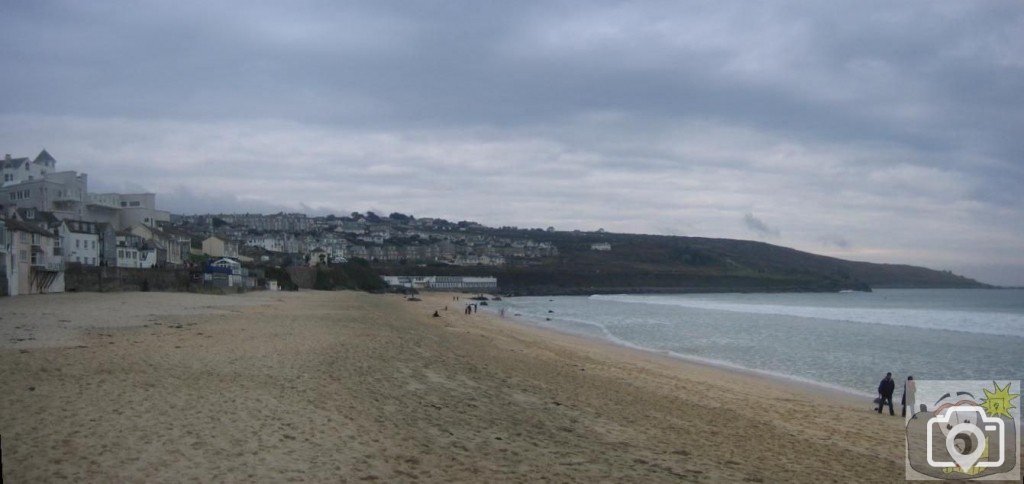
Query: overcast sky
[(879, 131)]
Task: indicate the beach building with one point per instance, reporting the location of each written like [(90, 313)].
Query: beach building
[(226, 272), (601, 246), (169, 247), (443, 283), (80, 242), (135, 252), (33, 262)]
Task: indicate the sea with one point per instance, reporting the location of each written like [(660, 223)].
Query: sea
[(846, 341)]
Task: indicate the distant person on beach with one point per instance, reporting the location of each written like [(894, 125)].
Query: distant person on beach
[(909, 389), (885, 389), (436, 315)]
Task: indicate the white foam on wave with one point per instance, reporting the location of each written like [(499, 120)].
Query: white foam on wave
[(994, 323)]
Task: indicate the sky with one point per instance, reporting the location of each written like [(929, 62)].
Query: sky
[(870, 130)]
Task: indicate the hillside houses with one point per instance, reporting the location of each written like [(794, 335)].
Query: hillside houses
[(393, 239)]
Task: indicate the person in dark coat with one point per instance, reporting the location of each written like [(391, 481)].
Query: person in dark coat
[(885, 389)]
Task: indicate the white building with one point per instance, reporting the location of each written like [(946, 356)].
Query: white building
[(601, 246), (225, 272), (36, 184), (32, 263), (450, 283), (133, 252), (481, 260), (80, 242)]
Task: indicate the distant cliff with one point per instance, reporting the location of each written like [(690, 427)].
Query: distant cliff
[(651, 263)]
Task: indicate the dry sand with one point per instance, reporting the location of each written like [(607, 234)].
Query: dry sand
[(329, 386)]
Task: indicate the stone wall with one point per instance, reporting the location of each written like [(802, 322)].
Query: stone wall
[(113, 279)]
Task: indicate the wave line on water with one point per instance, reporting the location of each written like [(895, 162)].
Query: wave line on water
[(992, 323)]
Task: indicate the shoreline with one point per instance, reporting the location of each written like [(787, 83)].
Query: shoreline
[(847, 396), (796, 383)]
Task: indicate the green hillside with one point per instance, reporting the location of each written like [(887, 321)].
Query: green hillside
[(651, 263)]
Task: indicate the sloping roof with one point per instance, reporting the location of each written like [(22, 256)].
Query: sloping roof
[(175, 232), (14, 163), (82, 226), (15, 225), (38, 216), (44, 157)]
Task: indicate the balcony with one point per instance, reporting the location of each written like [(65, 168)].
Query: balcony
[(104, 201), (66, 199), (48, 264)]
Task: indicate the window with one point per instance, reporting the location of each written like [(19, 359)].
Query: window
[(124, 204), (135, 204), (23, 255), (120, 254), (77, 242)]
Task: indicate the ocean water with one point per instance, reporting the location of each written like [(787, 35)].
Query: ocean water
[(841, 340)]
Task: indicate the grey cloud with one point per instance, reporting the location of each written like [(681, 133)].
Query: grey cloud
[(835, 241), (759, 227)]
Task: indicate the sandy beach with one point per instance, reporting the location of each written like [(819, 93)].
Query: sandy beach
[(329, 386)]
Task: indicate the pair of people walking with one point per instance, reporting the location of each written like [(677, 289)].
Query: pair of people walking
[(888, 386)]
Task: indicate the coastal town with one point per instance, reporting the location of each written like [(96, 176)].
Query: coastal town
[(51, 223)]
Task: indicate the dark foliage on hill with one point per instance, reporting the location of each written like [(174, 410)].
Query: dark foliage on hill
[(355, 274), (651, 263)]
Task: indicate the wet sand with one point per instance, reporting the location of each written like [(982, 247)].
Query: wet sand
[(329, 386)]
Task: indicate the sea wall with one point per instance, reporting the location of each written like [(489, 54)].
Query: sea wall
[(114, 279)]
